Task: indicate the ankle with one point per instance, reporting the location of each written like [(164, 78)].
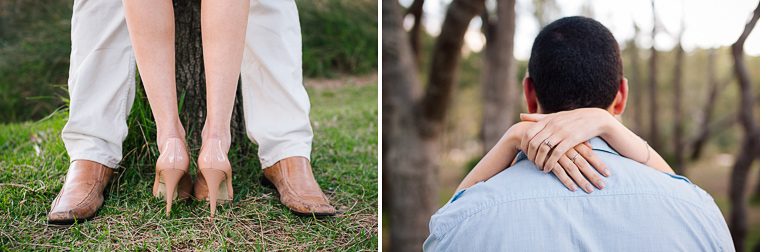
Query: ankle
[(163, 135), (223, 134)]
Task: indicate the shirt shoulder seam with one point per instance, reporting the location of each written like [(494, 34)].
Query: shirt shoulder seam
[(443, 230)]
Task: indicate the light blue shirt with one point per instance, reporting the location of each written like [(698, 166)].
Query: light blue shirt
[(524, 209)]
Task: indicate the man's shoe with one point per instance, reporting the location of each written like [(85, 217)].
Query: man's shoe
[(82, 193), (298, 189)]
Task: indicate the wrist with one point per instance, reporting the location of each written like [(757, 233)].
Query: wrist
[(513, 137), (608, 126)]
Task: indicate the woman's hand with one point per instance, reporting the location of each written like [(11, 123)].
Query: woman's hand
[(554, 134), (578, 162), (555, 139)]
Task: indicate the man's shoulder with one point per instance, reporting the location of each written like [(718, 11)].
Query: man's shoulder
[(523, 182)]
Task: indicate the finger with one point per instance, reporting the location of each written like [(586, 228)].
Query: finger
[(575, 174), (588, 144), (559, 150), (589, 155), (530, 133), (544, 150), (566, 180), (587, 170), (531, 117), (537, 148)]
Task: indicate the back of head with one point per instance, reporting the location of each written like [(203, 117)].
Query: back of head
[(575, 63)]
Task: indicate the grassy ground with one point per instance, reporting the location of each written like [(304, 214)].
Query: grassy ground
[(33, 163)]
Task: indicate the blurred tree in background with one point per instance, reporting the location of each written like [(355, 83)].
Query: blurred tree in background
[(339, 37)]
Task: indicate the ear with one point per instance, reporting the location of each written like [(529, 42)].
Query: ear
[(618, 106), (530, 95)]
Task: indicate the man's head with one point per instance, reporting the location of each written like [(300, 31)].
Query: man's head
[(575, 63)]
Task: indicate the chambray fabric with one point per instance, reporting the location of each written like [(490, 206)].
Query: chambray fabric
[(524, 209)]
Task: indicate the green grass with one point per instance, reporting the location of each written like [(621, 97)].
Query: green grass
[(33, 164)]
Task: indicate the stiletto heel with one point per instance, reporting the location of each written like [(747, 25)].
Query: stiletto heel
[(214, 179), (214, 168), (172, 181)]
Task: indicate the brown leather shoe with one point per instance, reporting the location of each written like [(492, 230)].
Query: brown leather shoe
[(82, 193), (298, 189)]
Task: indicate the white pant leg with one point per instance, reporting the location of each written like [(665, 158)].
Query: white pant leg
[(276, 105), (101, 82)]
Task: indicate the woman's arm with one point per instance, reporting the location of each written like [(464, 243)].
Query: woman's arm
[(498, 158), (566, 129), (630, 145), (504, 152)]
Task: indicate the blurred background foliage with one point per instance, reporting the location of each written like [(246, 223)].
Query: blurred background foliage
[(35, 44), (339, 37)]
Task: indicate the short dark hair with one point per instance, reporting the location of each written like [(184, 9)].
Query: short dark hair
[(575, 63)]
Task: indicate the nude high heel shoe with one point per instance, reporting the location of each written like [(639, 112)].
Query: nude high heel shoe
[(172, 180), (214, 168)]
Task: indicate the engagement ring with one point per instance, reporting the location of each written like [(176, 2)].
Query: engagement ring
[(546, 141)]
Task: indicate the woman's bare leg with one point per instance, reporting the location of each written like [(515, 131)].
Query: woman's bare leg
[(223, 28), (151, 28)]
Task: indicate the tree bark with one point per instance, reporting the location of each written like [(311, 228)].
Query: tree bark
[(749, 151), (498, 75), (191, 77), (412, 124), (654, 137)]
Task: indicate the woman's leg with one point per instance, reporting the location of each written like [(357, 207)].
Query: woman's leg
[(223, 29), (151, 28)]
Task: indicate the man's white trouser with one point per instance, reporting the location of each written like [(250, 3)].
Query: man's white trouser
[(102, 82)]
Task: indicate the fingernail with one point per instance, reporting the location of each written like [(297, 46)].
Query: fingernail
[(546, 169), (589, 188), (573, 187), (606, 172), (601, 184)]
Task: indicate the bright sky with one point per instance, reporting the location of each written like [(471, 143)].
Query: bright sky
[(709, 23)]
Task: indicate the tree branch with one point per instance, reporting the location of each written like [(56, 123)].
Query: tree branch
[(447, 54)]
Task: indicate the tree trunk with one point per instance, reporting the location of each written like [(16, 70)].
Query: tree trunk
[(749, 151), (705, 129), (412, 176), (412, 125), (635, 81), (677, 113), (654, 137), (707, 111), (498, 75), (191, 77), (415, 34), (444, 65)]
